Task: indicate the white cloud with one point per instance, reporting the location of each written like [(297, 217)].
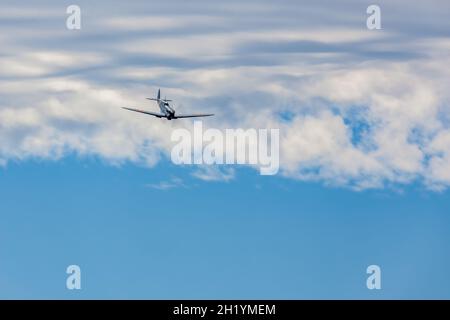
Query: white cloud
[(367, 108), (172, 183), (158, 22), (214, 173), (438, 170)]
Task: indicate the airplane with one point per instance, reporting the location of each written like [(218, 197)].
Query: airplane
[(166, 110)]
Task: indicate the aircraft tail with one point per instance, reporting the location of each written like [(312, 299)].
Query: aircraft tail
[(158, 97)]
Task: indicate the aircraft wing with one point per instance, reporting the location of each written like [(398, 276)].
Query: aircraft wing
[(159, 115), (192, 115)]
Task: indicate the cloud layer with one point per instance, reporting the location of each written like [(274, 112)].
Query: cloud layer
[(355, 107)]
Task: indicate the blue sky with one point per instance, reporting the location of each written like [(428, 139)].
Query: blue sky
[(364, 150), (255, 237)]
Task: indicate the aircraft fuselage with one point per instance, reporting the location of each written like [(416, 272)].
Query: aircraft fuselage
[(166, 109)]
